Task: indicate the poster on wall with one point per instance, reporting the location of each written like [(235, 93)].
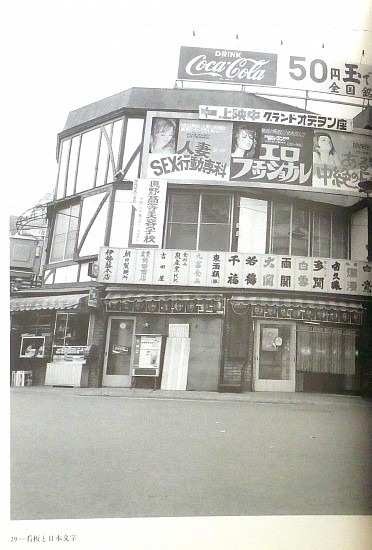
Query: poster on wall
[(340, 161), (271, 154), (189, 149), (147, 353), (270, 339)]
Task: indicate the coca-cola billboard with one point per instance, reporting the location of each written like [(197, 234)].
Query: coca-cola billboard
[(234, 66)]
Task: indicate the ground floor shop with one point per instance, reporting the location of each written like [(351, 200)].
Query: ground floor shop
[(200, 342)]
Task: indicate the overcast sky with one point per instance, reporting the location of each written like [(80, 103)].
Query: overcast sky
[(59, 56)]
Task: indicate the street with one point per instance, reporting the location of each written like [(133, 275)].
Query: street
[(79, 455)]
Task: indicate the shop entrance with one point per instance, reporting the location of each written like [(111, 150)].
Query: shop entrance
[(119, 352), (275, 356)]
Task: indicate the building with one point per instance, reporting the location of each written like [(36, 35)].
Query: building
[(198, 239)]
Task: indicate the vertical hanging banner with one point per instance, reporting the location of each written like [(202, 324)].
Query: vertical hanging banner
[(189, 149), (148, 209)]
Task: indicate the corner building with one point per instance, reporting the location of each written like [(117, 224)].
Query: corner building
[(178, 256)]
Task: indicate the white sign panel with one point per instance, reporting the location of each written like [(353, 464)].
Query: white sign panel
[(236, 270), (319, 74), (266, 116)]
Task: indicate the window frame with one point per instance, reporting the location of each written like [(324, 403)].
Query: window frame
[(331, 212), (199, 223), (66, 234)]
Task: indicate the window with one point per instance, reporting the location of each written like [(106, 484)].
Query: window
[(308, 231), (325, 350), (93, 157), (64, 234), (330, 237), (199, 221), (71, 329), (290, 230)]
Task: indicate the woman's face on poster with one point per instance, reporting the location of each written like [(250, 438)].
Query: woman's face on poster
[(245, 140), (162, 137), (325, 143)]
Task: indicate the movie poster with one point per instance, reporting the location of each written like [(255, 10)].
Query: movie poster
[(189, 149), (341, 160), (271, 154)]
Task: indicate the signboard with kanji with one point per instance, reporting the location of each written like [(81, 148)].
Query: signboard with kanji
[(235, 270)]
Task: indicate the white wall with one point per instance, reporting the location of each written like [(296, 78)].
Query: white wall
[(359, 235)]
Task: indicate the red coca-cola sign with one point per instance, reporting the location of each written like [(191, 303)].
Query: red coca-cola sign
[(209, 64)]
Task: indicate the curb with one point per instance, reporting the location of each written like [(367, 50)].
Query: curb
[(248, 397)]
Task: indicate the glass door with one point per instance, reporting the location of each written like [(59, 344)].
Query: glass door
[(274, 357), (118, 353)]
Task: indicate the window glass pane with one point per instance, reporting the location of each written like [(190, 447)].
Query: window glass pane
[(214, 237), (87, 160), (182, 235), (71, 329), (103, 160), (115, 139), (72, 165), (132, 140), (184, 208), (252, 225), (322, 234), (215, 209), (339, 236), (65, 231), (281, 228), (65, 146), (300, 232)]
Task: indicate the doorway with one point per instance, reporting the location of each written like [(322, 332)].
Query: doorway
[(274, 356), (119, 353)]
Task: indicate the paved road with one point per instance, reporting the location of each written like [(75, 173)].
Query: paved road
[(77, 454)]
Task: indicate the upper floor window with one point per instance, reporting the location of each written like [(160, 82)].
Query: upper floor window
[(64, 234), (308, 231), (199, 221), (93, 157)]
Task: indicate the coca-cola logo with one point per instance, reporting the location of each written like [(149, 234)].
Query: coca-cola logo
[(228, 66), (241, 69)]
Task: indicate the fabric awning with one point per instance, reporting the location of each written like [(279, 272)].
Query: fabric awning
[(296, 301), (112, 296), (67, 301)]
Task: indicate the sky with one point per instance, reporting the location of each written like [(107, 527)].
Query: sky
[(59, 56)]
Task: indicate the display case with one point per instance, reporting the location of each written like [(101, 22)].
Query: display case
[(68, 366)]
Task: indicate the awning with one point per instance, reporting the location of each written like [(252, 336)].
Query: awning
[(296, 301), (156, 297), (297, 309), (67, 301), (164, 303)]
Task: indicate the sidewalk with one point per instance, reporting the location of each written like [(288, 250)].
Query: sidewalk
[(253, 397)]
